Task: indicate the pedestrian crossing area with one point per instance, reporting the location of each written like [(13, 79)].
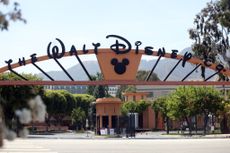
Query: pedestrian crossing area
[(23, 146)]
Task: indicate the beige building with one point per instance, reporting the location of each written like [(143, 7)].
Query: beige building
[(158, 91), (108, 111)]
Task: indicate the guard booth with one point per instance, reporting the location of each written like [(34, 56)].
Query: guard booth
[(108, 112)]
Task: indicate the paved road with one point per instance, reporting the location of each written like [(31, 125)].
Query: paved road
[(117, 146), (24, 146)]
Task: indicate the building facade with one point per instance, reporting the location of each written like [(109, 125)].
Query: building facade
[(74, 89), (112, 90), (148, 119), (159, 91)]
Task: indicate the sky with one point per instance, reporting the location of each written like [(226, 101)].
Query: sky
[(157, 23)]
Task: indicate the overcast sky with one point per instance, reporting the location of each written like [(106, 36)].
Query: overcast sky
[(158, 23)]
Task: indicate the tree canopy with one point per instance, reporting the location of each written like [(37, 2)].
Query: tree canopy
[(211, 33), (16, 97), (98, 91), (13, 14), (142, 74), (78, 116), (187, 102), (182, 103), (160, 105), (134, 106), (61, 103)]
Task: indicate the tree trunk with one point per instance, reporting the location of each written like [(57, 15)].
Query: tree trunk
[(48, 123), (189, 125), (196, 123), (205, 123), (156, 120), (224, 125), (59, 122), (167, 124)]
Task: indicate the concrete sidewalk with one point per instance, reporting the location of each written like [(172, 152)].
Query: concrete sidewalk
[(173, 135), (143, 135)]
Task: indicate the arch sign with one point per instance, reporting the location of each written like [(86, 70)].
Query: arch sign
[(118, 63)]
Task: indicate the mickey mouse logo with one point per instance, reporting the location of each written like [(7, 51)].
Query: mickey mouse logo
[(120, 67)]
